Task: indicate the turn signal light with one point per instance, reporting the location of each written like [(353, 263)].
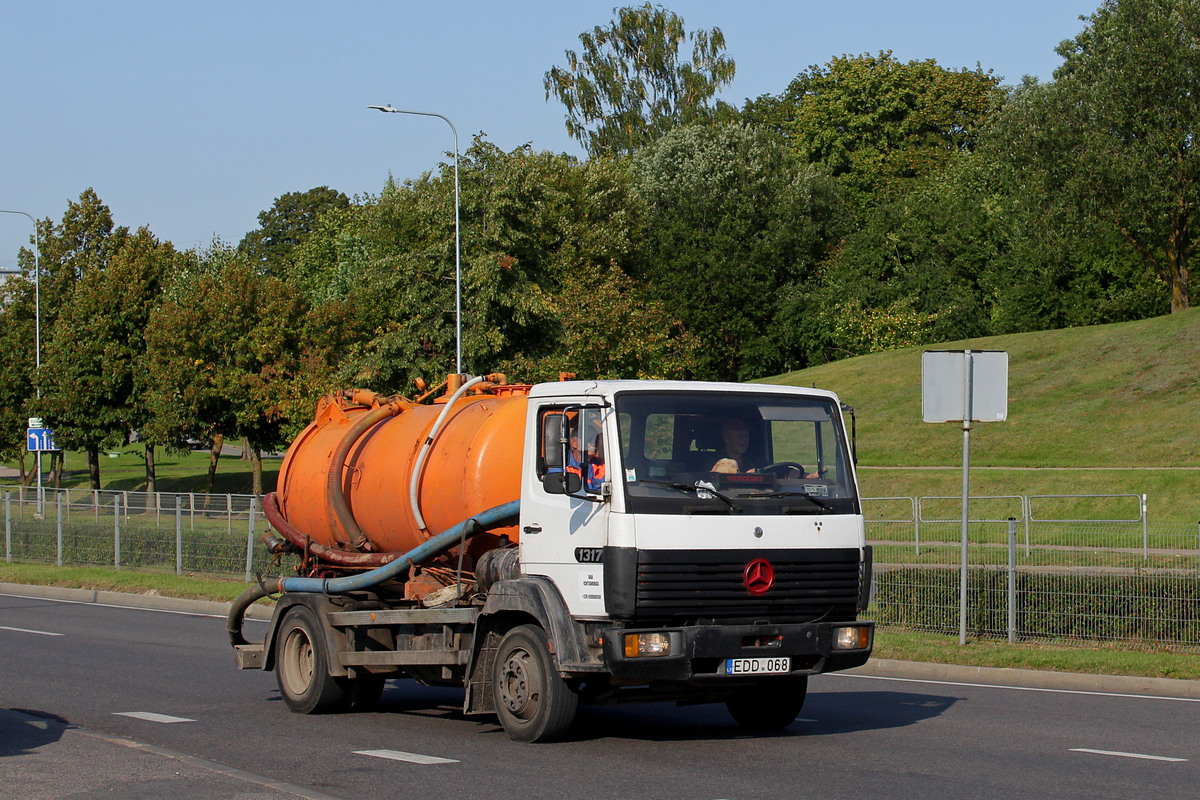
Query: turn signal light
[(647, 645), (851, 638)]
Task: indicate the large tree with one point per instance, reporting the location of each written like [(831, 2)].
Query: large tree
[(732, 218), (88, 375), (878, 123), (629, 85), (1128, 109), (287, 223)]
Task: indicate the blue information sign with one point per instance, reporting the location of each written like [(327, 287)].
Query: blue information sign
[(40, 440)]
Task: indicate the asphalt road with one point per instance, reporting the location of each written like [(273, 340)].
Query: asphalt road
[(131, 703)]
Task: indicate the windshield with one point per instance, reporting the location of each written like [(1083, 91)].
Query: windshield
[(710, 453)]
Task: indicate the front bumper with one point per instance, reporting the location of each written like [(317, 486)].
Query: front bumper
[(698, 652)]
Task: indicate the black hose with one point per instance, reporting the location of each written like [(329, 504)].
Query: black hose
[(237, 612)]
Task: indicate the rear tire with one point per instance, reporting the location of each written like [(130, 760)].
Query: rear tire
[(769, 706), (302, 665), (533, 702)]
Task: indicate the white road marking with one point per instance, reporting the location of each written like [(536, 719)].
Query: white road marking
[(805, 719), (26, 630), (1019, 688), (1124, 755), (150, 716), (398, 755)]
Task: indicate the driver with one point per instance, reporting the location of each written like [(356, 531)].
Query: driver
[(735, 441)]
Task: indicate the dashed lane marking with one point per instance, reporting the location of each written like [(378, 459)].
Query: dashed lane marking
[(1119, 754), (150, 716), (27, 630), (399, 755)]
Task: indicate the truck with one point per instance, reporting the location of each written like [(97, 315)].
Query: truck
[(580, 541)]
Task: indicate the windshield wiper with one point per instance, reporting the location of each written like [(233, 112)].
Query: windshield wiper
[(805, 495), (700, 491)]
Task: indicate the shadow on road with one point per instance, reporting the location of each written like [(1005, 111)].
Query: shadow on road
[(825, 714), (23, 730)]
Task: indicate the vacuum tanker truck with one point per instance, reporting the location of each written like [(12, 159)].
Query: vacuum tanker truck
[(548, 545)]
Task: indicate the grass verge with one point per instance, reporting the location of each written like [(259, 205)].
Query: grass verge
[(1098, 659), (192, 587), (899, 645)]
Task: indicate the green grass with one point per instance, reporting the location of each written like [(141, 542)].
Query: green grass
[(1117, 659), (1123, 397), (192, 587), (180, 472)]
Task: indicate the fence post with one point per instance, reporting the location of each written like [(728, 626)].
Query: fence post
[(8, 527), (117, 531), (178, 535), (60, 542), (250, 538), (1012, 580), (916, 505), (1145, 533)]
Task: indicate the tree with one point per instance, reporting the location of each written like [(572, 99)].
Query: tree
[(287, 223), (629, 85), (88, 375), (77, 249), (1126, 99), (876, 123), (223, 347), (731, 220)]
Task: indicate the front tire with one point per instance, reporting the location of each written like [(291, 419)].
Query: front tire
[(770, 706), (302, 665), (533, 702)]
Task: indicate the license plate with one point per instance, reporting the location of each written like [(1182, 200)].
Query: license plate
[(758, 666)]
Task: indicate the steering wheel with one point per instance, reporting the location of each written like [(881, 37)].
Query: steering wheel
[(783, 466)]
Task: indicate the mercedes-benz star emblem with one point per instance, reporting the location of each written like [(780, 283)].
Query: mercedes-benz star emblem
[(759, 576)]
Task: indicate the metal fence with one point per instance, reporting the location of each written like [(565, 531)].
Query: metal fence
[(1073, 567), (1069, 567), (160, 531)]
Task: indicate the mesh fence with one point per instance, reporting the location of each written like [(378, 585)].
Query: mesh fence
[(1043, 571), (180, 533), (1038, 567)]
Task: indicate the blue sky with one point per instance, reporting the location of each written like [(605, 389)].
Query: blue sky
[(192, 118)]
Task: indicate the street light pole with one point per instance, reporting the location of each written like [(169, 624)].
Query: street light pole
[(457, 241), (37, 329)]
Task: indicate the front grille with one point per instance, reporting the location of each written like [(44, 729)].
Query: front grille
[(809, 584)]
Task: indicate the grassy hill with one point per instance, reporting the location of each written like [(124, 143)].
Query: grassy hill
[(1095, 410)]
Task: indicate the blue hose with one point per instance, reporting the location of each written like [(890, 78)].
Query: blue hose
[(491, 518)]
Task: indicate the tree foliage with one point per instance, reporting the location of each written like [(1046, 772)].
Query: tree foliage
[(878, 123), (1127, 101), (628, 85), (731, 219)]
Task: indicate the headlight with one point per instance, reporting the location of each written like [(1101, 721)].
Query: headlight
[(647, 645), (851, 638)]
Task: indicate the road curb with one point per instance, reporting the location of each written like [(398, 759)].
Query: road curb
[(1028, 678), (153, 602), (875, 668)]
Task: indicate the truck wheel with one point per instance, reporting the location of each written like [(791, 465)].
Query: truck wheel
[(533, 703), (770, 706), (302, 665)]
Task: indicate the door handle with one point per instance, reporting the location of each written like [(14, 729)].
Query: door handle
[(532, 529)]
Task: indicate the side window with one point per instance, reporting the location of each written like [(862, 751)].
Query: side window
[(581, 429)]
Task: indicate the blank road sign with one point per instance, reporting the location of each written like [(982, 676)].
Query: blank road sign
[(953, 379)]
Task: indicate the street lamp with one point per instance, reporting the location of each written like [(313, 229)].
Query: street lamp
[(457, 243), (37, 328)]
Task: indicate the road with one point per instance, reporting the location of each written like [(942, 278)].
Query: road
[(131, 703)]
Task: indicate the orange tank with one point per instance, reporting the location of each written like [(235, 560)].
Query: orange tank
[(474, 464)]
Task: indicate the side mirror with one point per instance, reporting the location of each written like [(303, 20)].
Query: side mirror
[(562, 483)]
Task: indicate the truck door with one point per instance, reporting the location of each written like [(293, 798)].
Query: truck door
[(564, 507)]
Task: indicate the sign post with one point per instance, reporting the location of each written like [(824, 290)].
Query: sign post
[(964, 386)]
